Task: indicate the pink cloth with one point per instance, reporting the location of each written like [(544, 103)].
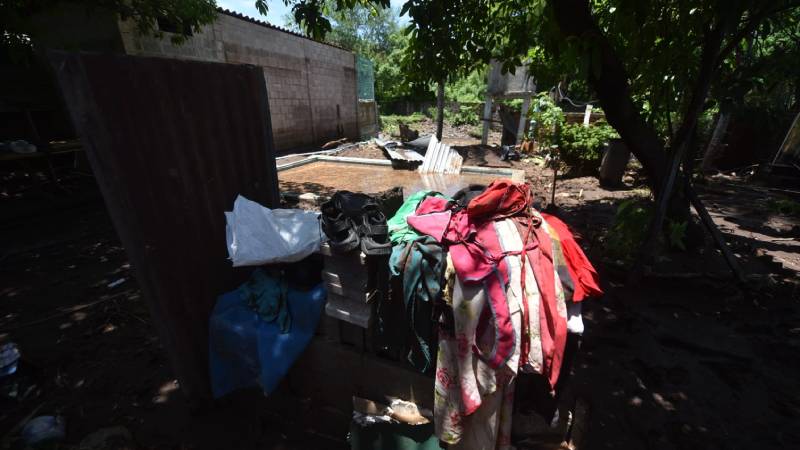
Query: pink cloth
[(433, 224), (432, 204)]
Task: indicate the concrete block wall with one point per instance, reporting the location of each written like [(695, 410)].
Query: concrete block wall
[(311, 86), (202, 46)]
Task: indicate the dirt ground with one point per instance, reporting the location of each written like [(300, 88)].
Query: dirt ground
[(684, 359)]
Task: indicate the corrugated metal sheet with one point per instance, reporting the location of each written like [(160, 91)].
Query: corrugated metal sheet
[(171, 144), (398, 154), (441, 158)]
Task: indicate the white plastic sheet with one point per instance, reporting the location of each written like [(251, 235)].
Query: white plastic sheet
[(258, 235)]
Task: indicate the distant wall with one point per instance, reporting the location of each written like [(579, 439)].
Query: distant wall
[(311, 86)]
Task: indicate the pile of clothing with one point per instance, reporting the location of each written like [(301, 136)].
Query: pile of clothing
[(503, 284)]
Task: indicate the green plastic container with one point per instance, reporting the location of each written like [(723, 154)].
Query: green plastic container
[(393, 436)]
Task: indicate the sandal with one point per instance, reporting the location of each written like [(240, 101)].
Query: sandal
[(351, 204), (373, 232), (339, 228)]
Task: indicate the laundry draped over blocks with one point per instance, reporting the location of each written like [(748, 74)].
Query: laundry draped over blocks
[(512, 278)]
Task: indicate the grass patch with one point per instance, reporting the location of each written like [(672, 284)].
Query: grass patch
[(476, 131), (389, 122), (784, 207)]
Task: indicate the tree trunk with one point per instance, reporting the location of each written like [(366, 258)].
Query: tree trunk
[(607, 76), (439, 109), (715, 143), (610, 83)]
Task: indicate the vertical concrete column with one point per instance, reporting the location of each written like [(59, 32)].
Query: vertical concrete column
[(587, 116), (487, 117), (523, 117)]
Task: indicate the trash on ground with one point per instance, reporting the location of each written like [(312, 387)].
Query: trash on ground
[(333, 144), (107, 438), (116, 283), (9, 358), (44, 429)]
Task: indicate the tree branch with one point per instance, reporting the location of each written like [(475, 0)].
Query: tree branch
[(610, 81), (751, 26)]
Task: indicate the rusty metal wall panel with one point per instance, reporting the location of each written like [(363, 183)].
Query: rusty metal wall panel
[(171, 144)]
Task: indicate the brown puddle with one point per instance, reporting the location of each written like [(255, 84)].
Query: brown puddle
[(326, 177)]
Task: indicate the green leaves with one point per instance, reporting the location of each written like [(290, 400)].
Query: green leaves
[(676, 234), (262, 7), (20, 28), (582, 147)]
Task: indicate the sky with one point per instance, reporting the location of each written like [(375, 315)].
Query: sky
[(277, 10)]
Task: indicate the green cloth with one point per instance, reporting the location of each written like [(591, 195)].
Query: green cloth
[(267, 296), (392, 436), (399, 231), (421, 263)]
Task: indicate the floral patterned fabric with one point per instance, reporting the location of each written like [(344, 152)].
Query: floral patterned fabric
[(472, 402)]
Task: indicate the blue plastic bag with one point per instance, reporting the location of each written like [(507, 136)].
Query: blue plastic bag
[(245, 351)]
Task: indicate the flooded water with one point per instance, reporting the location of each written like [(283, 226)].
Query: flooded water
[(326, 177)]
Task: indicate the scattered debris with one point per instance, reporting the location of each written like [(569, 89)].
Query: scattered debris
[(408, 412), (401, 157), (441, 158), (105, 438), (44, 429), (406, 133), (509, 153), (367, 412), (9, 357), (420, 143), (333, 144), (21, 147), (116, 283)]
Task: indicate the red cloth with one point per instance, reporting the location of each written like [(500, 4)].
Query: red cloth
[(502, 198), (580, 269)]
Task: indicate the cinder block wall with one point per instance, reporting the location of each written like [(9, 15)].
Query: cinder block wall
[(311, 86)]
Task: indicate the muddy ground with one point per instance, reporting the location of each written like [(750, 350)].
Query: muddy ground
[(684, 359)]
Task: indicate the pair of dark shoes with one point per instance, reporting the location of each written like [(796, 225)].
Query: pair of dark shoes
[(352, 220)]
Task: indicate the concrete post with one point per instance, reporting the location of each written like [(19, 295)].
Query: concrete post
[(487, 117), (523, 118)]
